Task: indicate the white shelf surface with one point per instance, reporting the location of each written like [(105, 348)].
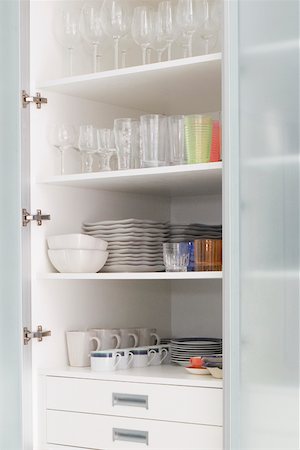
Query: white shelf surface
[(205, 178), (133, 276), (182, 86), (165, 374)]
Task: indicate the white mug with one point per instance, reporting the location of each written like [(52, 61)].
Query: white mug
[(79, 347), (125, 359), (159, 354), (141, 357), (105, 361), (167, 347), (109, 338), (145, 336), (129, 337)]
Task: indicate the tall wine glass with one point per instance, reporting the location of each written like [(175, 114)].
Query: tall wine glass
[(167, 19), (116, 21), (159, 42), (187, 16), (142, 29), (66, 31), (62, 137), (88, 145), (209, 28), (91, 30)]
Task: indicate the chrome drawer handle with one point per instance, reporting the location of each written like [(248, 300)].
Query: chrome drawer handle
[(120, 434), (140, 401)]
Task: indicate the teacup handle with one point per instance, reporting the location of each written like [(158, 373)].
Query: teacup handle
[(118, 360), (164, 354), (118, 339), (156, 337), (153, 353), (98, 342), (130, 358), (135, 338)]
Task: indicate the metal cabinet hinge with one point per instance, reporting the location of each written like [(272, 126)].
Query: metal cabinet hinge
[(39, 334), (38, 99), (38, 217)]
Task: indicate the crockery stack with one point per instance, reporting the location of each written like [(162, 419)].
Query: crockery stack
[(187, 233)]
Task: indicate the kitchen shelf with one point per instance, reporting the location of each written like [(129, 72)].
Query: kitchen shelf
[(165, 374), (182, 86), (133, 276), (205, 178)]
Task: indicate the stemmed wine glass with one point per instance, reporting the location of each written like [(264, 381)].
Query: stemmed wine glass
[(159, 42), (66, 31), (209, 28), (167, 20), (187, 16), (142, 29), (88, 145), (92, 31), (116, 21), (62, 137)]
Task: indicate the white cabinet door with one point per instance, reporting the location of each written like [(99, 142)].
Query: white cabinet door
[(262, 220)]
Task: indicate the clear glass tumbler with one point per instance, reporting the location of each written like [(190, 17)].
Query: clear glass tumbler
[(154, 140), (198, 134), (127, 139), (176, 139), (176, 257), (88, 145)]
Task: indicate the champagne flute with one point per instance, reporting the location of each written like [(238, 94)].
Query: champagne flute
[(167, 19), (142, 29), (187, 16), (209, 28), (62, 137), (92, 31), (116, 21)]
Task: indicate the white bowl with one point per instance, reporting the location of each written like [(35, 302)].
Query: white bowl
[(76, 241), (77, 261)]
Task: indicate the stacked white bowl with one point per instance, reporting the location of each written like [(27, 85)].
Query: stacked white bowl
[(77, 253)]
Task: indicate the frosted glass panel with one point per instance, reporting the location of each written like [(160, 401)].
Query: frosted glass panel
[(10, 291), (269, 224)]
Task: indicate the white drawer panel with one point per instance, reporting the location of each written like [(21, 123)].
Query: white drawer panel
[(97, 431), (149, 401)]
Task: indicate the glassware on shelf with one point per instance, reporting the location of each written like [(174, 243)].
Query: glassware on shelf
[(167, 24), (154, 140), (88, 145), (176, 256), (116, 22), (127, 139), (66, 31), (215, 150), (208, 254), (62, 137), (176, 139), (159, 42), (187, 17), (209, 28), (198, 134), (142, 29), (92, 31), (106, 144)]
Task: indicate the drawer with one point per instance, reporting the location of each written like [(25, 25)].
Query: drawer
[(106, 432), (141, 400)]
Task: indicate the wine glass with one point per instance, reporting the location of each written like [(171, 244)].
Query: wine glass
[(142, 29), (167, 19), (88, 145), (116, 21), (62, 137), (159, 42), (66, 31), (187, 17), (92, 31), (106, 143), (209, 28)]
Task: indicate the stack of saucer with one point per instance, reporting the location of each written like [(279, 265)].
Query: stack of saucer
[(182, 349), (134, 245), (185, 233)]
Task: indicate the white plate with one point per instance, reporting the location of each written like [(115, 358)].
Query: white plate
[(131, 238), (126, 221), (195, 371), (127, 268)]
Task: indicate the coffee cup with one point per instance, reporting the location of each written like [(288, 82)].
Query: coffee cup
[(129, 337), (157, 354), (109, 338), (148, 336), (105, 360), (79, 347), (141, 357), (126, 358)]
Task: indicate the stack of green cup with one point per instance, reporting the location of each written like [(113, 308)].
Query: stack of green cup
[(198, 134)]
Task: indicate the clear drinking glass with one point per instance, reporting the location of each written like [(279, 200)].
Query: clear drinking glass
[(209, 28), (62, 137), (167, 19), (176, 139), (88, 145), (127, 138), (154, 140), (66, 31), (92, 30), (187, 16), (142, 28), (176, 256), (106, 143), (116, 22), (198, 138)]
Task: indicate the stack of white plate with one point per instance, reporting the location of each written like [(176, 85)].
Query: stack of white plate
[(134, 245), (185, 233), (182, 349)]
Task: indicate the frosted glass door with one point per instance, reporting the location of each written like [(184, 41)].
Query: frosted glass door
[(262, 213), (10, 232)]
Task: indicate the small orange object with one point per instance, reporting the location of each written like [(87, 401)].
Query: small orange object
[(196, 362), (215, 149)]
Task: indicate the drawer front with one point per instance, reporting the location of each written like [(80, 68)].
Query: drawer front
[(148, 401), (99, 432)]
